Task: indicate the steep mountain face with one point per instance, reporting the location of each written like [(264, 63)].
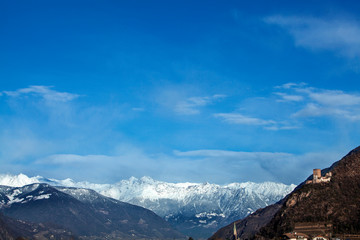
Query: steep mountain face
[(195, 209), (124, 217), (83, 213), (335, 202)]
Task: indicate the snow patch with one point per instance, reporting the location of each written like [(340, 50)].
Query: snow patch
[(44, 196), (209, 215)]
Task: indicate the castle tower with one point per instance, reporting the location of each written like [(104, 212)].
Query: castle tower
[(316, 175)]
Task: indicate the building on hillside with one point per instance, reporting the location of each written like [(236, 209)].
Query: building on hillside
[(318, 178), (296, 236), (320, 237), (314, 228), (349, 236)]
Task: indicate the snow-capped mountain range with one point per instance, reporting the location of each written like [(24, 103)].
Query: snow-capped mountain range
[(83, 213), (196, 209)]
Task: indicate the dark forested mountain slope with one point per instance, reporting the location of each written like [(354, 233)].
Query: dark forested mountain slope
[(336, 202), (4, 230), (79, 212)]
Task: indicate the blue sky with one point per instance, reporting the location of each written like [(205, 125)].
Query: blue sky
[(216, 91)]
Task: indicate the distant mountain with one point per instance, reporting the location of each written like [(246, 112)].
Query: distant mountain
[(82, 213), (334, 204), (195, 209)]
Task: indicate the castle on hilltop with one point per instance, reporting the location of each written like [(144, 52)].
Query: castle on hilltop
[(317, 178)]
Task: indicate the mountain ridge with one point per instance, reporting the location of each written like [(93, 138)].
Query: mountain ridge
[(196, 209), (80, 212)]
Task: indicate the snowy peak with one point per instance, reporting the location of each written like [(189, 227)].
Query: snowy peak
[(17, 180), (148, 188), (197, 209), (25, 194)]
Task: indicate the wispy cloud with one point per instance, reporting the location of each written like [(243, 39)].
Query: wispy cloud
[(191, 105), (282, 126), (323, 102), (314, 110), (278, 166), (291, 85), (334, 98), (339, 35), (237, 118), (224, 153), (289, 98), (221, 166), (41, 121), (45, 92), (60, 159), (291, 103)]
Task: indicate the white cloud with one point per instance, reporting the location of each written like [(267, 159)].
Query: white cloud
[(184, 99), (44, 92), (316, 102), (339, 35), (289, 98), (237, 118), (277, 166), (73, 158), (292, 101), (190, 106), (291, 85), (314, 110), (285, 126), (225, 153), (221, 166), (335, 98)]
